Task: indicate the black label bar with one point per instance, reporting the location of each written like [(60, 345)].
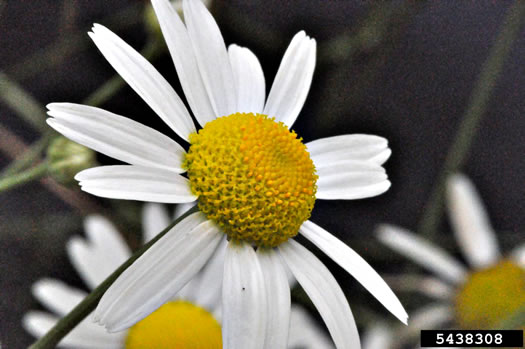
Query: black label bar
[(471, 338)]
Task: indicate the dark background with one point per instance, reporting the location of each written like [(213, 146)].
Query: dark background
[(407, 78)]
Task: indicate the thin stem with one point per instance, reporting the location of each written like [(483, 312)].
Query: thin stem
[(23, 103), (84, 308), (469, 125), (29, 156), (36, 172)]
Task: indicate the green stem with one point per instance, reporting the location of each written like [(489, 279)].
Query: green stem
[(36, 172), (469, 125), (24, 104), (25, 159), (84, 308)]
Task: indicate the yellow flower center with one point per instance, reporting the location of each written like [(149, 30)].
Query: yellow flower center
[(253, 176), (176, 325), (490, 295)]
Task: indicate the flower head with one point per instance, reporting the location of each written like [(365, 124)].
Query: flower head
[(255, 182)]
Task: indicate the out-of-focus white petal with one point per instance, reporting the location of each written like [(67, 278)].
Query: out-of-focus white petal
[(377, 336), (355, 265), (244, 313), (181, 50), (57, 296), (293, 80), (97, 256), (428, 285), (305, 333), (159, 273), (181, 209), (155, 218), (212, 57), (422, 252), (348, 180), (116, 136), (85, 335), (136, 183), (278, 298), (359, 147), (249, 79), (144, 79), (325, 293), (519, 255), (471, 223)]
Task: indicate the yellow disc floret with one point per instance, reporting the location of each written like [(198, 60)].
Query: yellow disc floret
[(489, 295), (253, 176), (176, 325)]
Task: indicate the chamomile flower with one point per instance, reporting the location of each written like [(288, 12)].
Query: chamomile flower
[(478, 297), (254, 181), (190, 320)]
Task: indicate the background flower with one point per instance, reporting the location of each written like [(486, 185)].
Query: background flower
[(479, 296)]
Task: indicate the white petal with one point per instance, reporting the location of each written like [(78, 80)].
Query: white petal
[(305, 333), (145, 80), (85, 335), (96, 257), (519, 255), (471, 223), (377, 336), (293, 80), (57, 296), (349, 147), (355, 265), (212, 57), (244, 315), (136, 183), (278, 298), (159, 273), (422, 252), (181, 51), (350, 180), (116, 136), (209, 292), (107, 241), (249, 79), (325, 293), (155, 218), (181, 209)]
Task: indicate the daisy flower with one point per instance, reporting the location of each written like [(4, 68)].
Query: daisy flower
[(475, 297), (254, 181), (191, 319)]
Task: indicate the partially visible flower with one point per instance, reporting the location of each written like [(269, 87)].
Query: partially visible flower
[(479, 297), (254, 179), (190, 320), (67, 158)]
